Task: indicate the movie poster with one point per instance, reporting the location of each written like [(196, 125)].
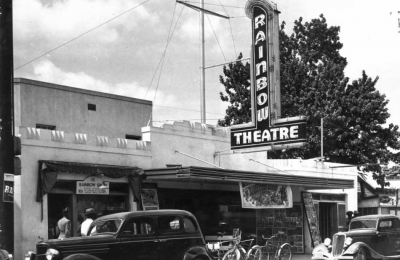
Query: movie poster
[(263, 196)]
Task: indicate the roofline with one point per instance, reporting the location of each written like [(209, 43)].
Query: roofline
[(80, 90)]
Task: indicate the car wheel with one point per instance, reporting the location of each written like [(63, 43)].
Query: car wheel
[(81, 257), (361, 254)]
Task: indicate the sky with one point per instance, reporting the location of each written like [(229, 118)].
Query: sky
[(117, 46)]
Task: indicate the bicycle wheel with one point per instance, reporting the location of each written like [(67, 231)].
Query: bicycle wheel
[(265, 253), (232, 254), (254, 253), (285, 252)]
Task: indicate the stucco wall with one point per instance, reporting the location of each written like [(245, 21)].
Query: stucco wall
[(67, 109), (38, 144)]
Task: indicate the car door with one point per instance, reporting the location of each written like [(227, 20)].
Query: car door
[(386, 234), (138, 239), (172, 237), (396, 241)]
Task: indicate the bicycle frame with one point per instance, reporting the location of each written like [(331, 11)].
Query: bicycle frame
[(275, 247)]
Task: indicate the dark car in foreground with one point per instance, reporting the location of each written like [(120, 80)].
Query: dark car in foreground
[(149, 235), (368, 237)]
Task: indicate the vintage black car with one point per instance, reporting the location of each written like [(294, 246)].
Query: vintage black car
[(149, 235), (368, 237)]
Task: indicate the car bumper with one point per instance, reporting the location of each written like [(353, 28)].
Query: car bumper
[(326, 256)]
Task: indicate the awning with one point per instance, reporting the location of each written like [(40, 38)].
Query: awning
[(49, 170), (225, 175)]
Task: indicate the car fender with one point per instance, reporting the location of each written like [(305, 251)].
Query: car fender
[(353, 249), (196, 251), (81, 257), (322, 248)]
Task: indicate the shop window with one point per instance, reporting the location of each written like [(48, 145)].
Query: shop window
[(169, 224), (139, 226), (189, 225)]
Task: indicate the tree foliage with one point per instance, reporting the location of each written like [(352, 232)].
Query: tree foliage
[(313, 84)]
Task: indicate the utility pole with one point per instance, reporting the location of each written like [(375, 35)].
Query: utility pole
[(202, 67), (7, 126), (322, 139)]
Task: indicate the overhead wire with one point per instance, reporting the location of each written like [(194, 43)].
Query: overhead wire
[(168, 40), (231, 6), (230, 26), (216, 37), (165, 51), (79, 36)]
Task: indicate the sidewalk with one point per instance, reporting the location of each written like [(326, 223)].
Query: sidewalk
[(301, 256)]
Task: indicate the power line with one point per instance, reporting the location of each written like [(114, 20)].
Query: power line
[(165, 51), (79, 36), (216, 37), (230, 26)]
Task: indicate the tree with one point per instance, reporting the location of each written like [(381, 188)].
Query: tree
[(313, 84)]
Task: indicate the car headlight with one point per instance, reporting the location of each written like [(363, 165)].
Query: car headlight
[(51, 254), (348, 241), (28, 254), (327, 241)]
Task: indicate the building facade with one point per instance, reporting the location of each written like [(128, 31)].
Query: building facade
[(85, 149)]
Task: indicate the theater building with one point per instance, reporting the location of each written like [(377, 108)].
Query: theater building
[(84, 148)]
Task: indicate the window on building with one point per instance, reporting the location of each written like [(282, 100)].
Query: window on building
[(91, 107), (133, 137), (46, 127)]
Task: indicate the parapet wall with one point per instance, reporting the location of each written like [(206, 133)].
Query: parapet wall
[(82, 139)]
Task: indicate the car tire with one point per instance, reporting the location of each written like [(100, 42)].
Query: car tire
[(361, 254), (81, 257)]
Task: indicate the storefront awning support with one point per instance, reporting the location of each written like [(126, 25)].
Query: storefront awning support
[(199, 160)]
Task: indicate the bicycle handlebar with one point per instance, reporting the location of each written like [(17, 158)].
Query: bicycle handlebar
[(273, 236)]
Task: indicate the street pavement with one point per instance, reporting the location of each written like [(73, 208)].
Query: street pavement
[(301, 256)]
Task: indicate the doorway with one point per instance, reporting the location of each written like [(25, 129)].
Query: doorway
[(327, 219), (56, 203)]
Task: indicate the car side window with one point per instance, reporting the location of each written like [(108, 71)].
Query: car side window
[(169, 224), (386, 225), (189, 225), (397, 224), (138, 226)]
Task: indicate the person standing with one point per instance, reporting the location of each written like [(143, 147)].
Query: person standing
[(90, 215), (64, 225)]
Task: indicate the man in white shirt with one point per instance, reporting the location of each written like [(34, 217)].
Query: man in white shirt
[(90, 214)]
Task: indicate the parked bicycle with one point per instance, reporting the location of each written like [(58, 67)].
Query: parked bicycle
[(238, 252), (217, 248), (274, 249)]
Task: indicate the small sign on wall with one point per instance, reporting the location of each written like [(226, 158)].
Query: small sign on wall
[(149, 199), (8, 192), (92, 186)]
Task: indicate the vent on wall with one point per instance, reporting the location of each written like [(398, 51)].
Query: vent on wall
[(47, 127), (91, 107), (133, 137)]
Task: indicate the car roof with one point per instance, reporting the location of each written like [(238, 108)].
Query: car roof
[(129, 214), (376, 216)]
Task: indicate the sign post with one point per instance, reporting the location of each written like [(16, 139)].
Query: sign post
[(267, 131)]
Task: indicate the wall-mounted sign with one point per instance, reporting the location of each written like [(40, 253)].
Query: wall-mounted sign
[(93, 186), (263, 196), (149, 199), (8, 192), (267, 130), (386, 200)]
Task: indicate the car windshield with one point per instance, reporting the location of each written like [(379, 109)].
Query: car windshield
[(106, 226), (364, 223)]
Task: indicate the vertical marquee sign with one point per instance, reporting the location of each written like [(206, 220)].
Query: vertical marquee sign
[(267, 130)]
